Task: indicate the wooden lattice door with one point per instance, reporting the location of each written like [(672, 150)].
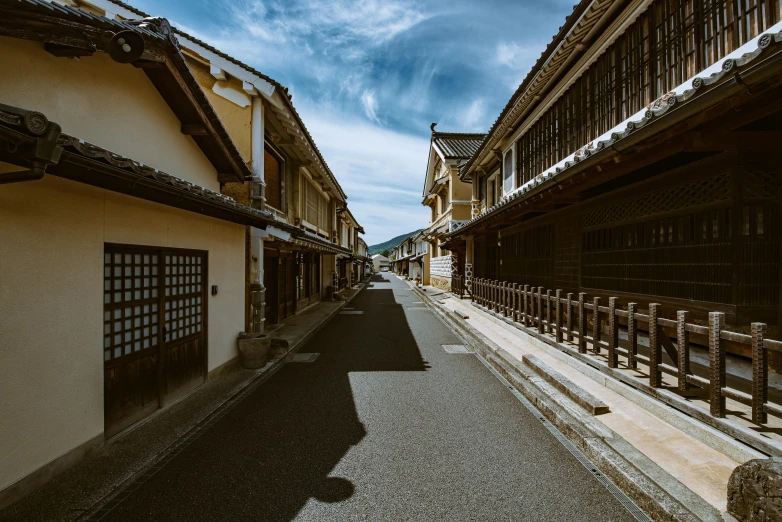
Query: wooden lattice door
[(154, 343)]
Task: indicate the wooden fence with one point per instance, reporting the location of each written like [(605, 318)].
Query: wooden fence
[(544, 309)]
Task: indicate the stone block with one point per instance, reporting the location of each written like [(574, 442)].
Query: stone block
[(755, 491), (254, 350)]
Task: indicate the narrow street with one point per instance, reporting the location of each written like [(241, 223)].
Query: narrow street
[(383, 425)]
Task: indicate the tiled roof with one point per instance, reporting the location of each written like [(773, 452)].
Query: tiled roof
[(729, 65), (286, 96), (457, 145), (570, 21), (226, 157)]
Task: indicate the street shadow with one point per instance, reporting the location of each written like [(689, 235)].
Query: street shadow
[(275, 450)]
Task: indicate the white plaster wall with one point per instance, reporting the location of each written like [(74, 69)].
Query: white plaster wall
[(111, 105), (51, 306)]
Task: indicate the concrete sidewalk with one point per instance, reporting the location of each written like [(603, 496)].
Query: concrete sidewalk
[(92, 482), (698, 456)]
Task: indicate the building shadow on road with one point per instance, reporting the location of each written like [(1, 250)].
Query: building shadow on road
[(276, 449)]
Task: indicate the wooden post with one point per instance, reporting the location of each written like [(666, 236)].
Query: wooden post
[(596, 324), (515, 302), (716, 364), (613, 333), (632, 337), (582, 328), (525, 313), (759, 373), (540, 310), (549, 324), (683, 342), (655, 354), (569, 311), (508, 296), (558, 315)]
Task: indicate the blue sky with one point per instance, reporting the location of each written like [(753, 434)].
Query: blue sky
[(369, 77)]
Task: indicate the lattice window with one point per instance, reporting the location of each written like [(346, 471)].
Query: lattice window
[(666, 45), (711, 190), (528, 256), (183, 295), (130, 316), (760, 183), (687, 257)]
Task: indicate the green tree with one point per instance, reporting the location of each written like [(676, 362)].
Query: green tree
[(385, 253)]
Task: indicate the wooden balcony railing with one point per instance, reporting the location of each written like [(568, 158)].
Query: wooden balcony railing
[(543, 310)]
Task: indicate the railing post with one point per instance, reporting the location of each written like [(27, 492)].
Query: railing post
[(558, 316), (540, 310), (655, 354), (596, 333), (759, 373), (683, 342), (632, 337), (569, 311), (526, 310), (582, 328), (478, 282), (613, 333), (716, 364), (506, 301), (515, 314), (549, 324)]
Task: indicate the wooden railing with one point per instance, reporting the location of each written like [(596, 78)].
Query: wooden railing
[(459, 286), (543, 310)]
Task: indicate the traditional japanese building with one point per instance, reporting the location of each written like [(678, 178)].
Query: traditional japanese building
[(448, 198), (153, 190), (638, 159)]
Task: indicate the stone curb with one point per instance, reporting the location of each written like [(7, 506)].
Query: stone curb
[(722, 435), (653, 489), (586, 400)]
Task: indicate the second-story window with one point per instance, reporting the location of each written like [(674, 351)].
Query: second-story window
[(272, 171), (508, 171), (316, 207), (444, 202)]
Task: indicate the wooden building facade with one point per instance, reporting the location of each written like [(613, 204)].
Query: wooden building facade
[(637, 160)]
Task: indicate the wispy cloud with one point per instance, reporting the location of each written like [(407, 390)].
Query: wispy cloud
[(474, 115), (369, 102)]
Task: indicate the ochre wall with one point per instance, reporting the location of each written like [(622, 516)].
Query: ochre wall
[(235, 119), (51, 306), (460, 191), (111, 105)]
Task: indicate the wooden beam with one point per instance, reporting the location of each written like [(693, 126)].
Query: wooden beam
[(228, 177), (732, 140), (194, 129), (148, 64), (66, 51)]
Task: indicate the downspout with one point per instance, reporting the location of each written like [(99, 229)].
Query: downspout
[(258, 200)]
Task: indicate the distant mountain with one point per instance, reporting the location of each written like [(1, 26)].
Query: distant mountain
[(391, 243)]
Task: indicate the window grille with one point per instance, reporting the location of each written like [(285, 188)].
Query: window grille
[(669, 43)]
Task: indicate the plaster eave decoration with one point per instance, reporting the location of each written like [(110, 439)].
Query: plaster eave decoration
[(653, 112), (95, 152)]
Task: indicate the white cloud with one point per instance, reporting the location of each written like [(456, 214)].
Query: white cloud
[(369, 102), (518, 59), (381, 170), (473, 117)]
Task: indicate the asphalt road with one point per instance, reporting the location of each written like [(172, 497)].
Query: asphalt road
[(383, 425)]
